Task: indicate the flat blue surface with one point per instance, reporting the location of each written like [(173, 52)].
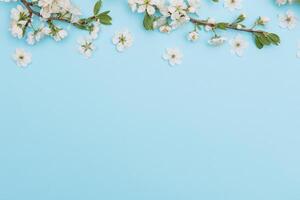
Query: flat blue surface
[(129, 127)]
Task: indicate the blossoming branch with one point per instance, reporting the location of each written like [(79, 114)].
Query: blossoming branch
[(169, 16), (36, 19), (50, 12)]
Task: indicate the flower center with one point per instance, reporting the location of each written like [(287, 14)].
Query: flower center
[(122, 39), (87, 46)]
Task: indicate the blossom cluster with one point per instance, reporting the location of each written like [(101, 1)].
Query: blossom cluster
[(36, 19), (170, 16)]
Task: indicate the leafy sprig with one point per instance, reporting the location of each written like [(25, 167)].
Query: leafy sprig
[(261, 38)]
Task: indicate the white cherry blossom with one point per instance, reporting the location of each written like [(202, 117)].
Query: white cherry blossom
[(165, 29), (177, 9), (217, 41), (22, 58), (233, 4), (193, 36), (49, 7), (16, 29), (193, 5), (238, 45), (59, 35), (146, 6), (263, 20), (287, 20), (122, 40), (36, 35), (173, 56), (86, 46)]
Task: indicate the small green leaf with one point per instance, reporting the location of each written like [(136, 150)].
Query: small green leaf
[(222, 25), (239, 19), (263, 39), (82, 27), (274, 38), (148, 22), (258, 43), (104, 18), (97, 7)]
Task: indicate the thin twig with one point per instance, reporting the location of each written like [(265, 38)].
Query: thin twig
[(228, 26)]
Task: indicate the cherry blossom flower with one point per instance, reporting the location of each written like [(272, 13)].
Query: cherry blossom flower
[(59, 35), (238, 45), (287, 20), (177, 9), (193, 6), (173, 56), (146, 6), (22, 58), (37, 35), (122, 40), (263, 20), (165, 29), (193, 36), (233, 4), (86, 46), (217, 41), (19, 19)]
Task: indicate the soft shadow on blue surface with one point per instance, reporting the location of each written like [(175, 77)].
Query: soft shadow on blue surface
[(127, 126)]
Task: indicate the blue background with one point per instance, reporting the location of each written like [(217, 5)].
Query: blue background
[(128, 126)]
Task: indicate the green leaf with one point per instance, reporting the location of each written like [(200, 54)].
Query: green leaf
[(97, 7), (104, 18), (82, 27), (263, 39), (274, 38), (258, 43), (239, 19), (222, 25), (148, 22)]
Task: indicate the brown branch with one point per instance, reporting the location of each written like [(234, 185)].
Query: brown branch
[(28, 22), (228, 26), (30, 10)]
